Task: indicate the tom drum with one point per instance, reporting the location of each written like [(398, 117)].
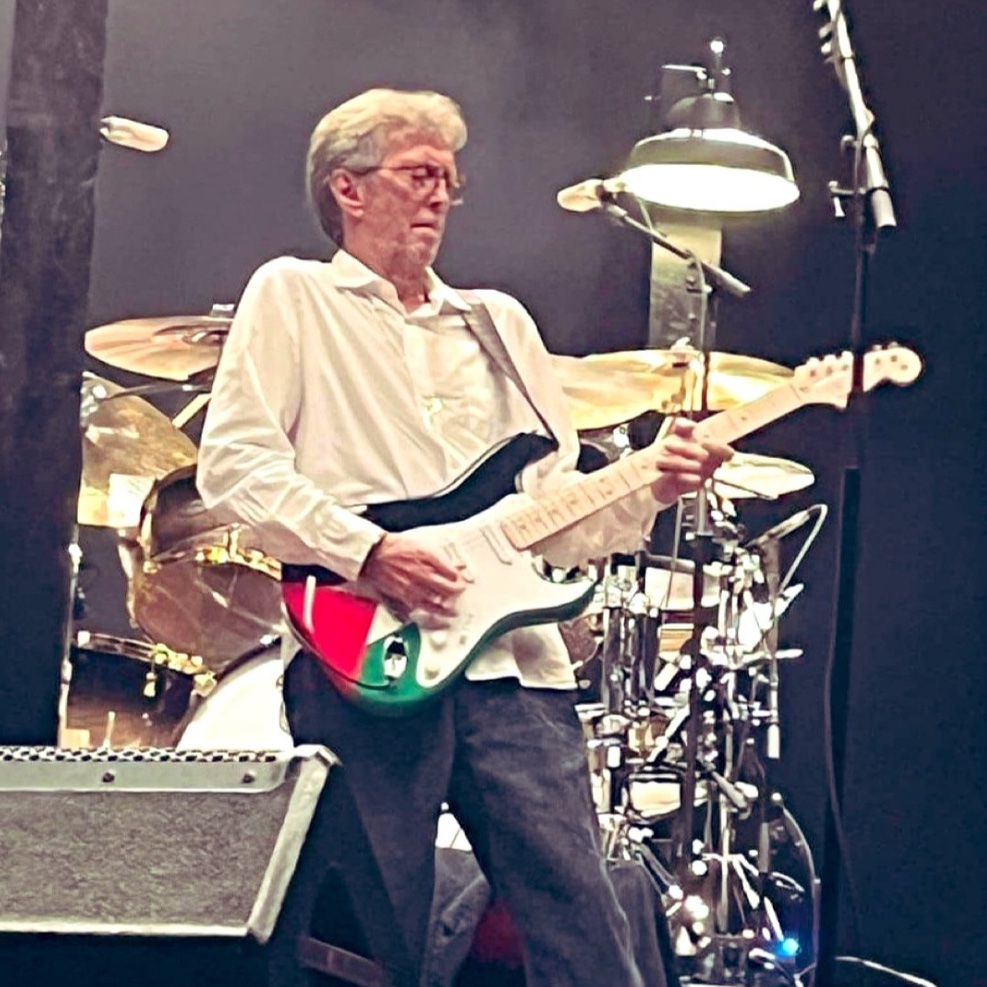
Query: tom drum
[(200, 586)]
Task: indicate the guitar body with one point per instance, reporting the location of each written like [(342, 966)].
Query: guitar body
[(390, 663)]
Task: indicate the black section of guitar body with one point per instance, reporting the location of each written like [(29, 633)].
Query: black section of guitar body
[(487, 483)]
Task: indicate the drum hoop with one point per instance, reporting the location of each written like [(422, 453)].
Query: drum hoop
[(155, 655), (216, 546)]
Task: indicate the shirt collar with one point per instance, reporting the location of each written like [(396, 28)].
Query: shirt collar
[(353, 274)]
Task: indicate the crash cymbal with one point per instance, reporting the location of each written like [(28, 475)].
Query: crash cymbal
[(734, 377), (600, 396), (609, 388), (127, 444), (750, 475), (174, 347)]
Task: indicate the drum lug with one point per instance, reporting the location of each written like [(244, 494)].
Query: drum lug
[(214, 555), (203, 683)]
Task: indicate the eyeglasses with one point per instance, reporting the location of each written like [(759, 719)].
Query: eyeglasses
[(425, 179)]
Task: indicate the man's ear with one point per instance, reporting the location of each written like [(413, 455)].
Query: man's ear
[(346, 191)]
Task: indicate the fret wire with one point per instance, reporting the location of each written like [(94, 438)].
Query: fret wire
[(596, 492), (599, 490)]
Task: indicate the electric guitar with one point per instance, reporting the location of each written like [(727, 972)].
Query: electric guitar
[(390, 662)]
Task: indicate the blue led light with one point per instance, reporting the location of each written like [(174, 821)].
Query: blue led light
[(788, 947)]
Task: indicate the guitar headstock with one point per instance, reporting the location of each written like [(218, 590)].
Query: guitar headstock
[(829, 379), (825, 380), (893, 363)]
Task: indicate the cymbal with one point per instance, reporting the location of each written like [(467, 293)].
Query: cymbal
[(174, 347), (600, 396), (127, 444), (750, 475), (609, 388)]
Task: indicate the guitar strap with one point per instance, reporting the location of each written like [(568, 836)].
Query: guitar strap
[(481, 324)]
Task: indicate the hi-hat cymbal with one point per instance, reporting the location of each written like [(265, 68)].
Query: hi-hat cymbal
[(609, 388), (127, 444), (750, 475), (174, 347)]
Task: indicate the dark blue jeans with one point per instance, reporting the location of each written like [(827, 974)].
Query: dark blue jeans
[(511, 764)]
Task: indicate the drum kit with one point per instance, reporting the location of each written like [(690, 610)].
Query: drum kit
[(677, 658), (206, 600), (679, 661)]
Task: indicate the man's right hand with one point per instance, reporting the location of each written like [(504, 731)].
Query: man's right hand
[(400, 569)]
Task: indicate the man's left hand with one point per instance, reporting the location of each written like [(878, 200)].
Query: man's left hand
[(685, 461)]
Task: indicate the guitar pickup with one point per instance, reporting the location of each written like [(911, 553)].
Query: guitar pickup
[(494, 537), (456, 560)]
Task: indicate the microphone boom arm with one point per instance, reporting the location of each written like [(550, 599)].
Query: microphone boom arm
[(714, 275)]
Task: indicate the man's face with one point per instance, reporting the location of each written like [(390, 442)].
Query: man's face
[(408, 197)]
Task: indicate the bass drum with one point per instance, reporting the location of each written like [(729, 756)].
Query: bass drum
[(244, 712), (199, 585)]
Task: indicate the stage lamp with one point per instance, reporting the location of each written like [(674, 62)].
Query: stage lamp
[(704, 161)]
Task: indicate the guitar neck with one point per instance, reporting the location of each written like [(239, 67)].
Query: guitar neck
[(734, 423), (560, 510)]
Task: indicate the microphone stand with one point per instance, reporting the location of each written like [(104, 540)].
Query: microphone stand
[(868, 203), (714, 276), (702, 281)]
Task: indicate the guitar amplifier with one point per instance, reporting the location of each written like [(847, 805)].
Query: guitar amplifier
[(161, 866)]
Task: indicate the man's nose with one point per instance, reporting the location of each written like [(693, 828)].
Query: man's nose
[(440, 196)]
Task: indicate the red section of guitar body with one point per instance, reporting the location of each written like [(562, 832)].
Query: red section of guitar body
[(339, 629)]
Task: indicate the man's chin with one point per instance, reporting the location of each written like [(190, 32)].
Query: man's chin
[(424, 246)]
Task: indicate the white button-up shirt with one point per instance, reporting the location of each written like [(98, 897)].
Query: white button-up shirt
[(330, 397)]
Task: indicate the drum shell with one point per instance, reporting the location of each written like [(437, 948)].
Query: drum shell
[(121, 695), (200, 585)]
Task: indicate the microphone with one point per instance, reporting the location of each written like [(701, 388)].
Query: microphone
[(133, 134), (784, 528), (588, 195)]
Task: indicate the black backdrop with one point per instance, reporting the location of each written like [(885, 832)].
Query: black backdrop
[(554, 92)]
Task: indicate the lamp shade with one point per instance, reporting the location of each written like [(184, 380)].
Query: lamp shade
[(715, 170)]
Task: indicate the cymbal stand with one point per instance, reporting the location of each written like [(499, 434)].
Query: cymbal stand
[(702, 279), (612, 686), (700, 537), (770, 642)]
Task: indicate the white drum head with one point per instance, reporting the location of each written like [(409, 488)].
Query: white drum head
[(244, 712)]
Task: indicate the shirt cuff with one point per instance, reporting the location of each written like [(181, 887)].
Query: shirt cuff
[(347, 540)]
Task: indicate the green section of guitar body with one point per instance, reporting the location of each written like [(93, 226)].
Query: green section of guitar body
[(404, 694)]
